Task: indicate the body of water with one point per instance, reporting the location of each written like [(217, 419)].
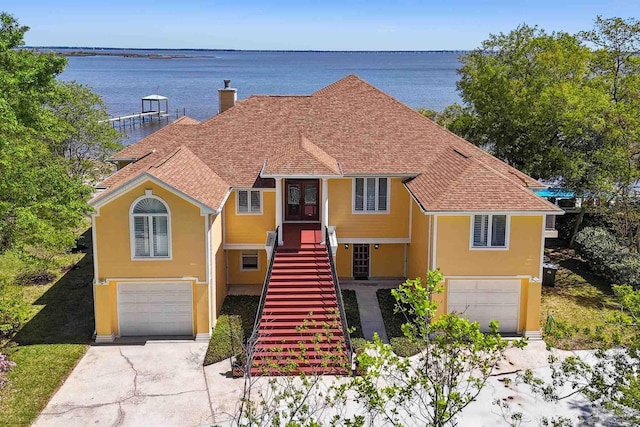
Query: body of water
[(418, 79)]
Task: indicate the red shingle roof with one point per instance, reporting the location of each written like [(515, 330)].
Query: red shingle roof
[(347, 128)]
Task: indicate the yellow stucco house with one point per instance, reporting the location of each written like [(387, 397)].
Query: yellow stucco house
[(292, 193)]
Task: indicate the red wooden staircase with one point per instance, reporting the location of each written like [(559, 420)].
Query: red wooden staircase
[(300, 329)]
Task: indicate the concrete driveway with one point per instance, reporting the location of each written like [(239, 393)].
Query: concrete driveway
[(157, 383), (163, 383)]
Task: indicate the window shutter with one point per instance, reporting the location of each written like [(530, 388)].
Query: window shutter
[(498, 230), (255, 201), (382, 194), (243, 201), (141, 234), (371, 194), (480, 225), (160, 236), (359, 202)]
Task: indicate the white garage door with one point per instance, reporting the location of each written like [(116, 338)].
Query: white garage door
[(485, 300), (155, 309)]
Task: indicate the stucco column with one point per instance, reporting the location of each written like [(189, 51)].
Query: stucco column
[(325, 204), (279, 209)]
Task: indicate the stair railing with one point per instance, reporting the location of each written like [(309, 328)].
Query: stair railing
[(263, 296), (336, 286)]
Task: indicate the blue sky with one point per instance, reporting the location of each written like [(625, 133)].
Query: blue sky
[(301, 24)]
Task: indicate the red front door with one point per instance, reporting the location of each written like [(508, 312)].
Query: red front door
[(301, 200)]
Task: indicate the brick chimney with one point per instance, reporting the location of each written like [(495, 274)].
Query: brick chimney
[(228, 97)]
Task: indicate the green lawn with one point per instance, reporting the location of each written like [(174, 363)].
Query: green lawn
[(392, 321), (580, 304), (245, 306), (52, 341), (352, 312)]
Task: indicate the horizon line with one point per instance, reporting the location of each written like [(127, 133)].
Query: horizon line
[(248, 50)]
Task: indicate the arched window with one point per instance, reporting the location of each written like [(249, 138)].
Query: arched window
[(150, 228)]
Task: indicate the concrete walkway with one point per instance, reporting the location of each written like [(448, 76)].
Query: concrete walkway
[(370, 314)]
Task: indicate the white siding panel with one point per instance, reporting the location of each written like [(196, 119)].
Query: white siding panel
[(155, 309), (485, 300)]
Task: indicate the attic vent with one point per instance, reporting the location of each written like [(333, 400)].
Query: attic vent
[(465, 155)]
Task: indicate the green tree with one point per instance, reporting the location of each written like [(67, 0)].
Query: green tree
[(557, 108), (41, 202), (87, 139)]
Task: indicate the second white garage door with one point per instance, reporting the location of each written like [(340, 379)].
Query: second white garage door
[(485, 300), (155, 309)]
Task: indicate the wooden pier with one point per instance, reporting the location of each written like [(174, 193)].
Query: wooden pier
[(153, 107)]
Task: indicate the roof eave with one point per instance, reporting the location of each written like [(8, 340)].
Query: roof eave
[(102, 199)]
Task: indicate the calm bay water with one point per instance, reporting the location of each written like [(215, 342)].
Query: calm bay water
[(419, 79)]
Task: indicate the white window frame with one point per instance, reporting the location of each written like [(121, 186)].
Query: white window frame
[(132, 231), (250, 253), (249, 212), (364, 195), (507, 232)]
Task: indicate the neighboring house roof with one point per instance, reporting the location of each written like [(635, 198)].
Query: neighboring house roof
[(349, 128)]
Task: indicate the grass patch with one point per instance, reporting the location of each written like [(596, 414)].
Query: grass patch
[(55, 336), (393, 325), (226, 339), (392, 321), (243, 306), (352, 312), (579, 305)]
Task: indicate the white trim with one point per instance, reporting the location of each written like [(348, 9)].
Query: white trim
[(542, 249), (374, 240), (374, 175), (224, 202), (434, 259), (281, 176), (214, 269), (94, 246), (203, 337), (151, 279), (507, 234), (364, 210), (324, 212), (410, 218), (488, 277), (249, 211), (132, 241), (139, 180), (105, 339), (279, 209), (207, 250), (514, 213), (243, 246), (257, 255), (193, 298), (430, 244)]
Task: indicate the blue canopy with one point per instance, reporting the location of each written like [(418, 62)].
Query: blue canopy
[(556, 192)]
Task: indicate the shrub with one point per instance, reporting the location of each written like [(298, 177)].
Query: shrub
[(226, 340), (607, 257), (13, 309), (404, 347), (5, 366)]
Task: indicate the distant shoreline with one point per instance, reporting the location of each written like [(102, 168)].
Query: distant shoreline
[(97, 50), (83, 53)]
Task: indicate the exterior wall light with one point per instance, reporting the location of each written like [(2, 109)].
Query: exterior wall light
[(376, 246), (346, 246)]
